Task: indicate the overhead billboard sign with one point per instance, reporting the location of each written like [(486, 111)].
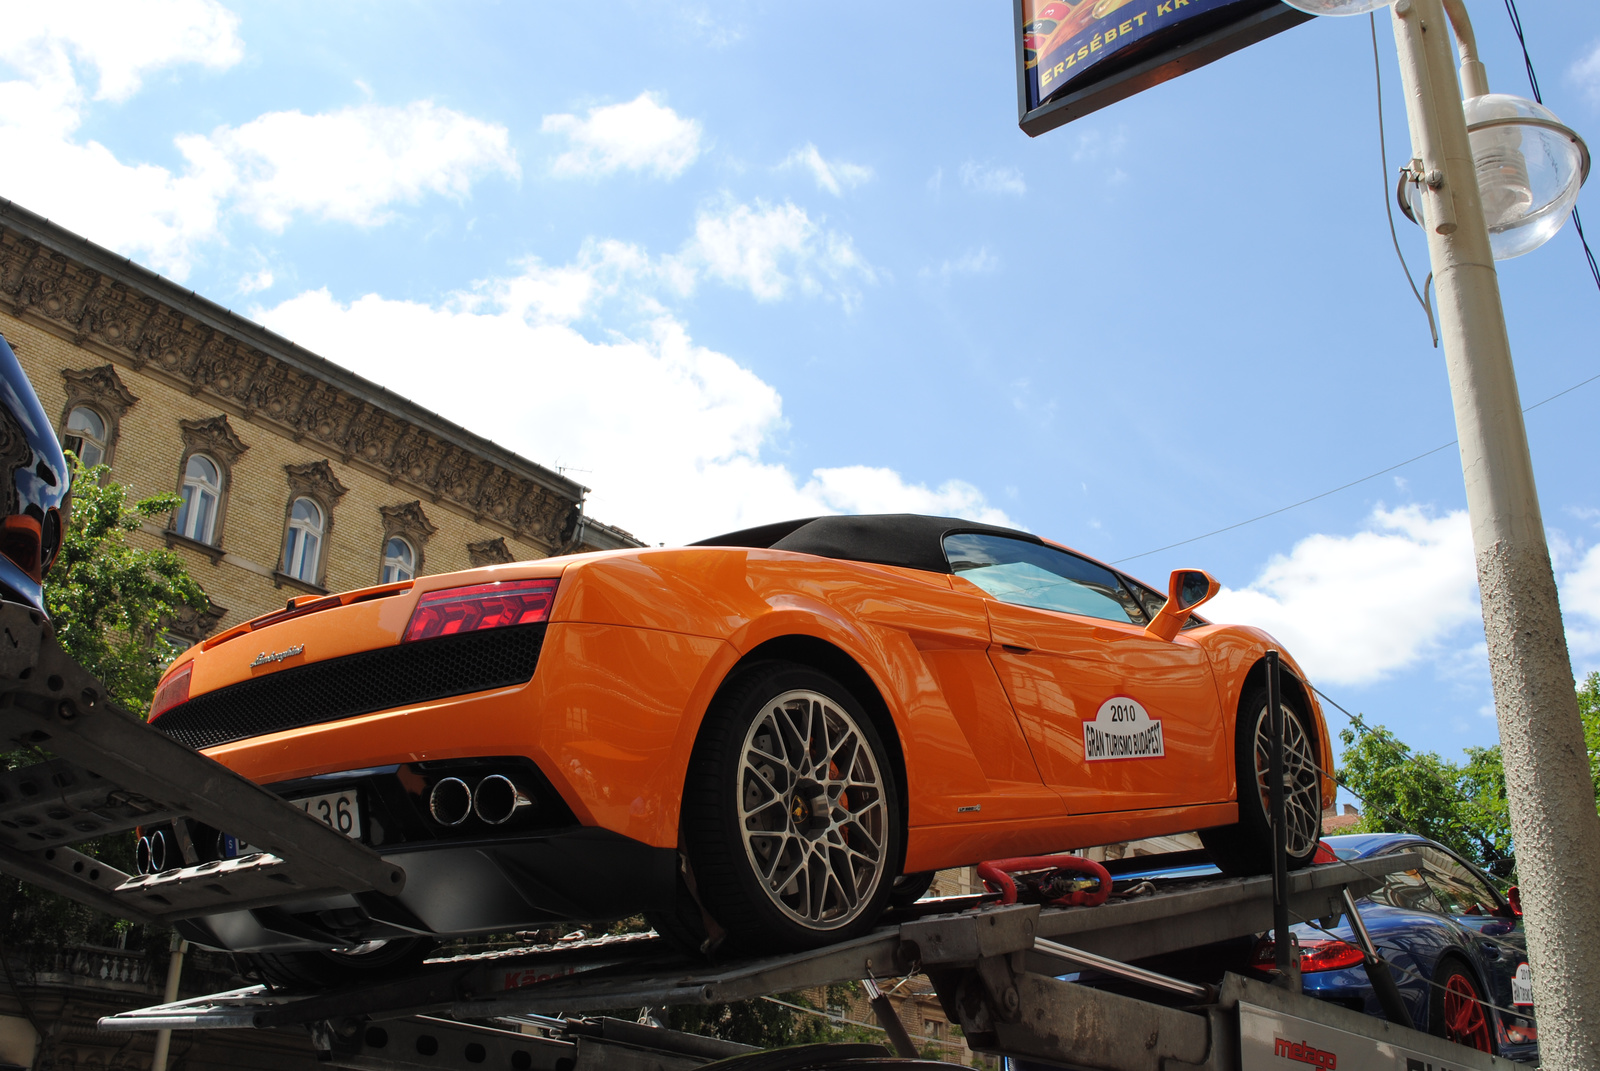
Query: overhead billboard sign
[(1077, 56)]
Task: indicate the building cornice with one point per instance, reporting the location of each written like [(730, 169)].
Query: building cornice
[(149, 323)]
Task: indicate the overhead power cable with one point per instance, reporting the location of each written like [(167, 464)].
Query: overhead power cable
[(1341, 487), (1421, 296), (1533, 84)]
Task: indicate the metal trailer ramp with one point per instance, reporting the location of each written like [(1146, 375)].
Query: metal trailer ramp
[(994, 967), (103, 771)]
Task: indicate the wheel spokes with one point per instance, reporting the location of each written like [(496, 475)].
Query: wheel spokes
[(812, 809), (1302, 777)]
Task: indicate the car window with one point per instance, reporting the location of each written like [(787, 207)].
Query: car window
[(1029, 574), (1148, 598), (1408, 890), (1154, 601), (1460, 890)]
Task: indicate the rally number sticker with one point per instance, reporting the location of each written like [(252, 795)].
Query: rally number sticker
[(1122, 729), (1522, 987)]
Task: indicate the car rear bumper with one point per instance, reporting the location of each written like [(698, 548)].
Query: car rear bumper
[(493, 885)]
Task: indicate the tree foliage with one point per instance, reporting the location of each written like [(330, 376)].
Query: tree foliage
[(109, 600), (1461, 805)]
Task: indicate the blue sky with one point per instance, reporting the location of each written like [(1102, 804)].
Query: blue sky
[(730, 263)]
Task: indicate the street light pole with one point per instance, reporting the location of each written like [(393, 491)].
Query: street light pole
[(1552, 803)]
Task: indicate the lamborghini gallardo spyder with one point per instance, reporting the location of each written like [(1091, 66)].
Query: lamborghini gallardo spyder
[(761, 739)]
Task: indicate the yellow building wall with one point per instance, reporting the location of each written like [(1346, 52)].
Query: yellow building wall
[(149, 449)]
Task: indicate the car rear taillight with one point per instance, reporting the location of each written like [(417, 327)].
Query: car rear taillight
[(1315, 955), (173, 690), (481, 606)]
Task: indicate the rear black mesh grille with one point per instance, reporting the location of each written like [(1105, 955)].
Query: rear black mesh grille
[(357, 684)]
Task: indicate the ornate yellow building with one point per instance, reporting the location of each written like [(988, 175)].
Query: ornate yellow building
[(297, 476)]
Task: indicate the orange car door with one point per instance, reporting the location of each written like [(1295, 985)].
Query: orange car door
[(1118, 719)]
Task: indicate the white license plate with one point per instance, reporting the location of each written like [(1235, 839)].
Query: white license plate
[(1522, 987), (336, 810)]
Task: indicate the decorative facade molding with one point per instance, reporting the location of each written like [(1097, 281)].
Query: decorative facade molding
[(315, 479), (213, 436), (490, 552), (99, 387), (407, 519), (411, 524), (148, 323), (195, 625)]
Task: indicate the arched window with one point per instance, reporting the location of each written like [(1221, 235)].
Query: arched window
[(86, 435), (399, 561), (202, 487), (302, 547)]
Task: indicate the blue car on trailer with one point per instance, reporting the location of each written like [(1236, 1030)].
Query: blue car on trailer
[(1454, 944)]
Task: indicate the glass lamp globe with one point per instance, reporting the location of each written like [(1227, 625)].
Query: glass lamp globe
[(1338, 7), (1530, 167)]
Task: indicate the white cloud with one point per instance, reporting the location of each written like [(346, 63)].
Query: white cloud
[(1094, 145), (863, 489), (769, 249), (986, 179), (1580, 611), (349, 165), (256, 282), (1353, 609), (120, 42), (672, 434), (135, 208), (1585, 74), (973, 262), (640, 135), (712, 30), (832, 176)]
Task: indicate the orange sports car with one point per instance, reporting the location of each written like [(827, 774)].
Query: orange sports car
[(766, 737)]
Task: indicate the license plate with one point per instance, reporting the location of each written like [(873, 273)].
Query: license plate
[(336, 810), (340, 811), (1522, 987)]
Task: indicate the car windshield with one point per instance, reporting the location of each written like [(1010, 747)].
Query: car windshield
[(1460, 890)]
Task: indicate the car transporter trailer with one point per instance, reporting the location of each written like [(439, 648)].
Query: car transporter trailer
[(995, 967)]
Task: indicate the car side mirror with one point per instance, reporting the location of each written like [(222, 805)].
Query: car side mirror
[(1514, 898), (1186, 589)]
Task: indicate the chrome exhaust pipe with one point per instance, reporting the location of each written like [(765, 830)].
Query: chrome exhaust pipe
[(141, 856), (497, 799), (450, 802), (158, 852)]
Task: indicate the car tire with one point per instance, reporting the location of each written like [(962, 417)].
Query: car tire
[(791, 811), (329, 968), (1246, 847), (909, 888), (1455, 1009)]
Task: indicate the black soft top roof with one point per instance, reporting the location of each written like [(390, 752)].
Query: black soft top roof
[(905, 539)]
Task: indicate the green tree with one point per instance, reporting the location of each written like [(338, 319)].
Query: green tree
[(109, 600), (1462, 806)]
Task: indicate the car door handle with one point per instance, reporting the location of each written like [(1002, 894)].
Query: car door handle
[(1011, 648), (1490, 949)]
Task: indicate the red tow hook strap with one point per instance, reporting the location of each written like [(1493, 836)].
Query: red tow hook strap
[(997, 875)]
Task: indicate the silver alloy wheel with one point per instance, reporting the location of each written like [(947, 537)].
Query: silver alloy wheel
[(812, 810), (1302, 777)]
